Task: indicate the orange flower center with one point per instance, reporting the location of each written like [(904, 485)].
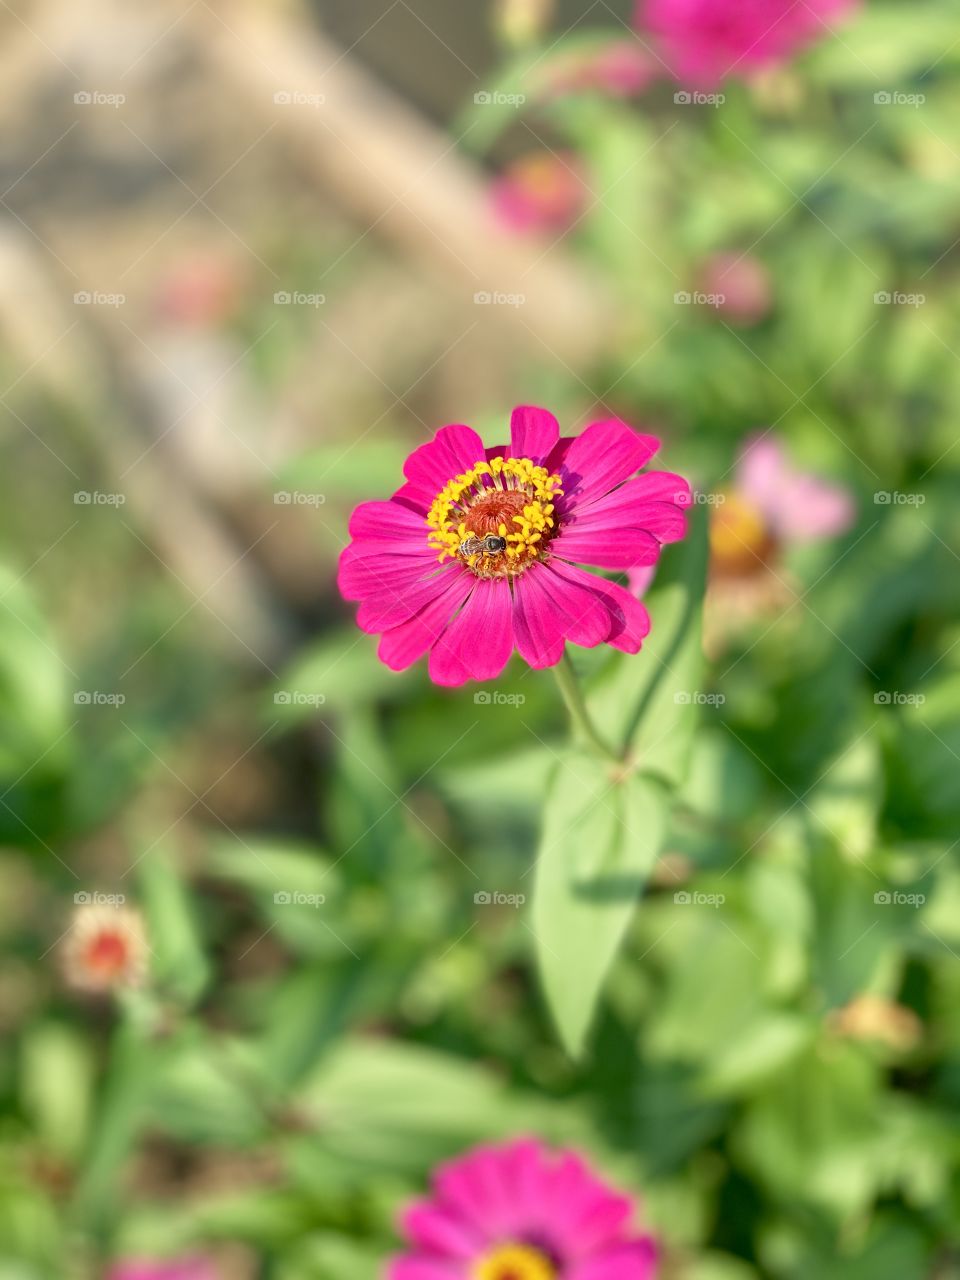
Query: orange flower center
[(740, 539)]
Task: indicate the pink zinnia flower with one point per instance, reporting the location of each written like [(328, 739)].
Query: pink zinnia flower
[(477, 553), (105, 949), (741, 285), (619, 68), (704, 41), (539, 192), (521, 1212), (193, 1268)]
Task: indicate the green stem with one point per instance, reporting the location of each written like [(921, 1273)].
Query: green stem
[(577, 707)]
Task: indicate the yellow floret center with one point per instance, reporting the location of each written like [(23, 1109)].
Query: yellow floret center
[(506, 499), (514, 1262)]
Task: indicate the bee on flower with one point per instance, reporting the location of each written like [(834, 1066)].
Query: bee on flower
[(479, 552), (105, 949)]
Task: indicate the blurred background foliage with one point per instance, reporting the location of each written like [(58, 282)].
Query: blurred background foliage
[(189, 717)]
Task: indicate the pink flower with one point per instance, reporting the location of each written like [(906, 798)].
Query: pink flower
[(741, 284), (795, 505), (521, 1212), (618, 68), (193, 1268), (704, 41), (539, 192), (477, 553), (770, 504)]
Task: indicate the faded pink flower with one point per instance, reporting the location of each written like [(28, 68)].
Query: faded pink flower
[(796, 506), (522, 1212), (741, 283), (619, 68), (705, 41), (539, 192), (478, 553), (200, 292), (105, 948), (192, 1268)]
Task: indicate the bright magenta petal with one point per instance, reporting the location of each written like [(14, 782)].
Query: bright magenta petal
[(533, 433), (452, 451), (478, 642), (613, 547), (404, 644), (630, 620), (536, 624), (605, 455)]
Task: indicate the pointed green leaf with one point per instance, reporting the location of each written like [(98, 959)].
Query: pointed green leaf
[(600, 838)]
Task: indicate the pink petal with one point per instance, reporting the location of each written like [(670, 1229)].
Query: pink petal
[(536, 624), (533, 433), (405, 643), (402, 597), (640, 578), (605, 455), (585, 618), (631, 505), (452, 451), (607, 548), (479, 641), (437, 1230), (369, 567), (636, 1261), (811, 509), (630, 620), (761, 470), (413, 1268), (386, 521)]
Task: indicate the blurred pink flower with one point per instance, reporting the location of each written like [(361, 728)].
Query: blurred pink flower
[(620, 69), (522, 1212), (796, 506), (192, 1268), (743, 284), (199, 292), (479, 552), (539, 192), (705, 41)]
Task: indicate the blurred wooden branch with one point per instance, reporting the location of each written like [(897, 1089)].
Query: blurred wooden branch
[(399, 175)]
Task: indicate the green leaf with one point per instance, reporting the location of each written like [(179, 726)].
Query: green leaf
[(600, 839), (650, 702), (177, 960)]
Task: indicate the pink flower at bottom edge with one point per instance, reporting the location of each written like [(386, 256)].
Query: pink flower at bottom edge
[(522, 1212), (192, 1268), (478, 553), (705, 41)]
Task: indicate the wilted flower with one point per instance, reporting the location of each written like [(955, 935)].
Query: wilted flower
[(192, 1268), (477, 553), (741, 285), (522, 1212), (541, 191), (873, 1018), (705, 41), (105, 949)]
